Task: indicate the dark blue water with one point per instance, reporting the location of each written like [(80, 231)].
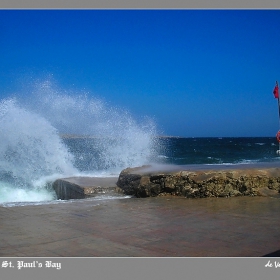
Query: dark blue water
[(182, 151), (219, 150)]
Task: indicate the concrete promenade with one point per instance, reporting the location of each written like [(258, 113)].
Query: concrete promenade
[(143, 227)]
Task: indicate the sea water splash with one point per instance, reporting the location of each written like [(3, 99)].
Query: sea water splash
[(118, 139), (33, 153)]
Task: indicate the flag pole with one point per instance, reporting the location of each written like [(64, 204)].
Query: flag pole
[(278, 103), (276, 95), (278, 152)]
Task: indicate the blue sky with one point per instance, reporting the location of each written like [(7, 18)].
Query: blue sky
[(196, 72)]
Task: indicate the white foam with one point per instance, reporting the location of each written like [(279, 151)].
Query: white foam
[(32, 153), (13, 194), (95, 201)]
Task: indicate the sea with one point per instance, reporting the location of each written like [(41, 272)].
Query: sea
[(49, 133)]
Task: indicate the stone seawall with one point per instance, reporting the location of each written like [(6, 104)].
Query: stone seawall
[(192, 181), (202, 181)]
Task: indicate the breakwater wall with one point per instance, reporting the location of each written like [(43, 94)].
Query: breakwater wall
[(189, 181), (205, 181)]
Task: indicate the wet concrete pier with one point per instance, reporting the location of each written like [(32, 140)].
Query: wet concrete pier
[(143, 227)]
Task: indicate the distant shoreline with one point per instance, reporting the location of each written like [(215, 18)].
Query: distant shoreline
[(76, 136)]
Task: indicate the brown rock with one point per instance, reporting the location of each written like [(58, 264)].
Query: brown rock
[(204, 182)]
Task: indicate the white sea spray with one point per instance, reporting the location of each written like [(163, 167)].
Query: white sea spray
[(33, 153)]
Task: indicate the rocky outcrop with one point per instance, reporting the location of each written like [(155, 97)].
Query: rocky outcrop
[(84, 187), (202, 182)]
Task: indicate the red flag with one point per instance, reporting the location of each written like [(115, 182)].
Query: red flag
[(276, 91)]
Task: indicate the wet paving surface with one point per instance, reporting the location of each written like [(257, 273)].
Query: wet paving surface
[(143, 227)]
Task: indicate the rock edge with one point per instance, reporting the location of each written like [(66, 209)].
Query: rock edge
[(146, 181), (84, 187)]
